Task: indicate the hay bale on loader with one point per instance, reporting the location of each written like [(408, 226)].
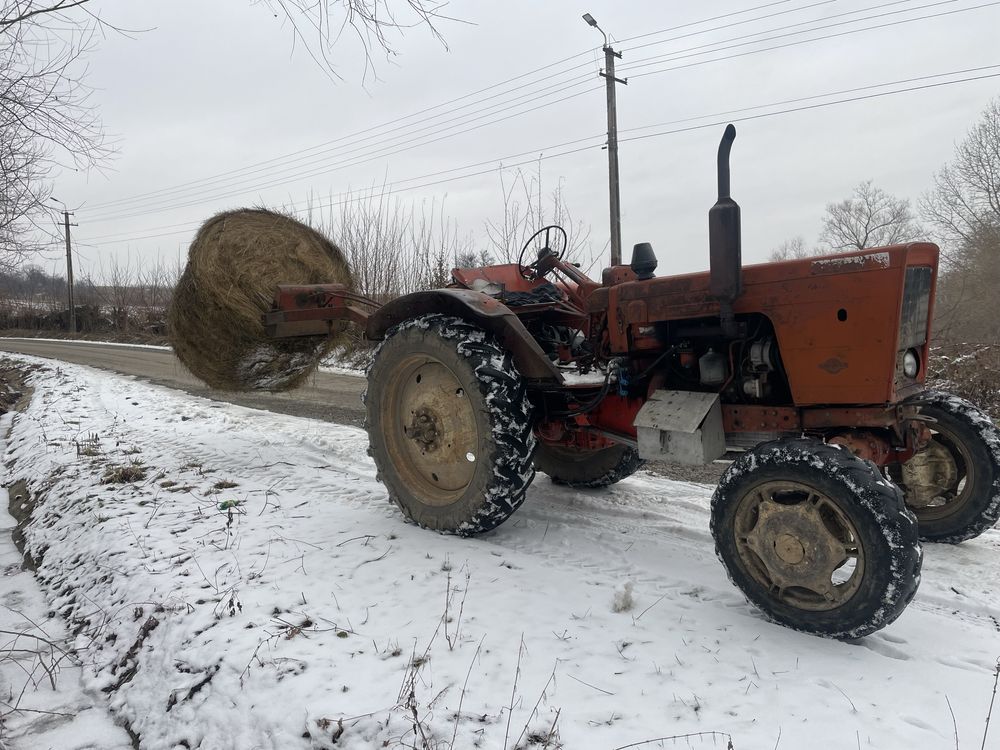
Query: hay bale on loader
[(234, 265)]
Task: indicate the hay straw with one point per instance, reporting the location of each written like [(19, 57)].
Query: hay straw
[(234, 265)]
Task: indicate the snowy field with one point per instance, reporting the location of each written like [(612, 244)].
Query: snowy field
[(251, 587)]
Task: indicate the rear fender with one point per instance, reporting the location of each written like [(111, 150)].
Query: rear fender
[(474, 307)]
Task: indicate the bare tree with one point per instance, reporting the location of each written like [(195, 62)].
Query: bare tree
[(392, 248), (436, 244), (526, 209), (967, 307), (964, 206), (46, 120), (22, 192), (871, 217), (790, 249), (965, 201)]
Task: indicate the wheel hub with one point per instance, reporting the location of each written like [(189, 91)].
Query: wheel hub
[(798, 544), (425, 429), (789, 548), (931, 475)]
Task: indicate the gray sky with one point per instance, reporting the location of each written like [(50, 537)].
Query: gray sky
[(216, 87)]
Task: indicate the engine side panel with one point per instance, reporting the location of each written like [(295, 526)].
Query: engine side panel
[(837, 318)]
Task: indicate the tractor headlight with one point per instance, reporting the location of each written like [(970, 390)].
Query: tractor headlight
[(911, 363)]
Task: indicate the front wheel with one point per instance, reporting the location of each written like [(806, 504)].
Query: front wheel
[(816, 538), (953, 484), (587, 469), (449, 425)]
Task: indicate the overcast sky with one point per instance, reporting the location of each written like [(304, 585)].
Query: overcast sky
[(211, 88)]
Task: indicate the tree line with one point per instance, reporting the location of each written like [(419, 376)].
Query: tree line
[(48, 121)]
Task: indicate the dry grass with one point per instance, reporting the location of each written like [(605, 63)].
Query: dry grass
[(124, 473), (971, 371), (234, 265)]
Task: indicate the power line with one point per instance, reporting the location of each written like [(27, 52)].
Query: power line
[(403, 147), (736, 23), (817, 106), (898, 22), (704, 20), (326, 169), (492, 161), (727, 113), (669, 55), (391, 188), (309, 155), (368, 133), (350, 160)]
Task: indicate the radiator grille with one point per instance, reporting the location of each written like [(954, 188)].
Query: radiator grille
[(916, 304)]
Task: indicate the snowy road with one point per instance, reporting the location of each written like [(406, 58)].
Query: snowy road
[(331, 395), (254, 589)]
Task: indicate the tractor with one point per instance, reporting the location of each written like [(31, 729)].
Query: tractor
[(810, 372)]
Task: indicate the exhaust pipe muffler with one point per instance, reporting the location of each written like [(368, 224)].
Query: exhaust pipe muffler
[(724, 243)]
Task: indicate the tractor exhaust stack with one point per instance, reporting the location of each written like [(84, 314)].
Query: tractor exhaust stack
[(724, 246)]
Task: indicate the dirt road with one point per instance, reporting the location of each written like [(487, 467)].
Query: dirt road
[(334, 398)]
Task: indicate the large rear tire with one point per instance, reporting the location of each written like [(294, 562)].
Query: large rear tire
[(449, 425), (587, 469), (953, 484), (816, 538)]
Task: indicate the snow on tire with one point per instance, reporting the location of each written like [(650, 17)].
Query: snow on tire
[(816, 538), (953, 485), (449, 425)]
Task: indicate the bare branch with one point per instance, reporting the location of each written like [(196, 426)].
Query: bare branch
[(46, 119), (320, 24), (20, 12), (871, 217), (792, 249)]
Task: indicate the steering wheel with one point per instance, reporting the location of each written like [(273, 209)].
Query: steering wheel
[(553, 232)]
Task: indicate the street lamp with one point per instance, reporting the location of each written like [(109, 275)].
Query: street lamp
[(613, 192), (593, 22)]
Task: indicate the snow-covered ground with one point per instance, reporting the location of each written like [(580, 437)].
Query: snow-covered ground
[(339, 362), (254, 589), (43, 703)]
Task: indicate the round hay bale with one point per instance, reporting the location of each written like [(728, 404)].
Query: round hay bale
[(235, 263)]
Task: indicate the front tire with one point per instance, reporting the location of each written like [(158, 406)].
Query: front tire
[(953, 484), (449, 425), (816, 538), (587, 469)]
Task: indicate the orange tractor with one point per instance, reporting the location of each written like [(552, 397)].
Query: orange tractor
[(813, 370)]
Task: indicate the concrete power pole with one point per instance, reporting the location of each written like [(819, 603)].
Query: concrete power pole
[(69, 275), (613, 190)]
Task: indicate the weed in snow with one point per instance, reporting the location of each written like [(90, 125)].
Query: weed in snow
[(623, 599)]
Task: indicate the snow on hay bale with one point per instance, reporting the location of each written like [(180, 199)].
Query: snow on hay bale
[(234, 265)]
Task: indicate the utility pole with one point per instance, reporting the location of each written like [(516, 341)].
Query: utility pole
[(69, 269), (69, 276), (613, 191)]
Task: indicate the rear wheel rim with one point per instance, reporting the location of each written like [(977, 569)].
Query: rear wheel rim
[(799, 545), (431, 430)]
